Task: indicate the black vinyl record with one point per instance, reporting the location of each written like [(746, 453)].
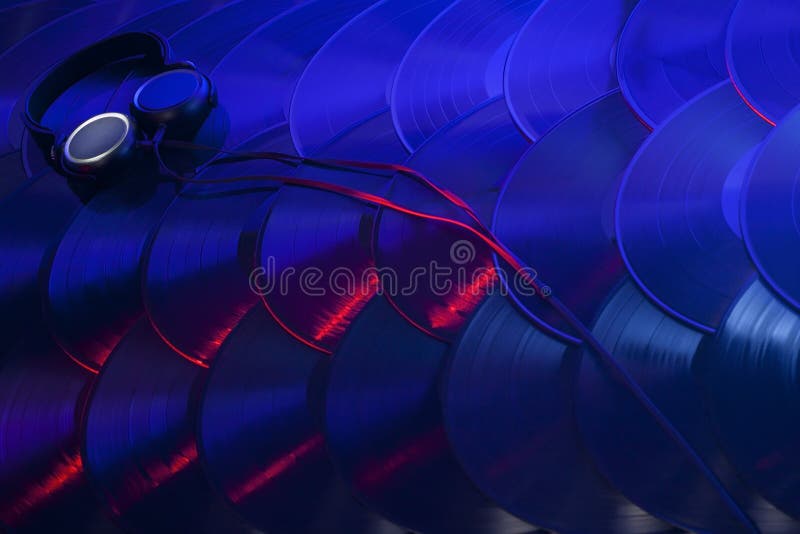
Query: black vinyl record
[(261, 438), (677, 214), (749, 370), (19, 20), (508, 408), (455, 65), (43, 485), (139, 443), (384, 427)]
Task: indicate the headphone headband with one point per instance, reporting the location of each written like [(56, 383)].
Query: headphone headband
[(151, 47)]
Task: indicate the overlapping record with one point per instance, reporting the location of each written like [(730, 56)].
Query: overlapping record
[(19, 20), (670, 52), (385, 431), (509, 413), (763, 56), (139, 444), (677, 211), (575, 42), (43, 485), (770, 221), (749, 370), (552, 198), (454, 65), (261, 435)]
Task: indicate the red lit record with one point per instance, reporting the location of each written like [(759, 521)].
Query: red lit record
[(261, 439), (43, 486), (139, 444), (562, 59), (441, 273), (385, 431), (677, 210), (509, 413), (454, 65)]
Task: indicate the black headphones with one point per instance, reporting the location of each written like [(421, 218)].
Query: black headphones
[(174, 103)]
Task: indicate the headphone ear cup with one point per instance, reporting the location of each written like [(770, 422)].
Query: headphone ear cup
[(99, 146), (179, 99)]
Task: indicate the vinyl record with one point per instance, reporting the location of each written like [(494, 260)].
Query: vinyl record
[(454, 65), (562, 59), (508, 408), (440, 273), (763, 54), (670, 52), (20, 20), (139, 443), (43, 486), (749, 371), (256, 91), (672, 228), (770, 220), (662, 355), (368, 48), (261, 437), (556, 210), (385, 430)]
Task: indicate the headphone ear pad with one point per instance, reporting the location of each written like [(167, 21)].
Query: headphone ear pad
[(100, 145), (180, 99)]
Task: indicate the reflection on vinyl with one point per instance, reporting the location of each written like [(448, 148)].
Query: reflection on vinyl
[(573, 40), (385, 431), (455, 65), (676, 217), (749, 371), (662, 356), (552, 198), (139, 442), (262, 440), (372, 44), (770, 220), (669, 52), (764, 57), (509, 413)]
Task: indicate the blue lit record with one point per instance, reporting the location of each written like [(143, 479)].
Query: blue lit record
[(197, 268), (42, 481), (260, 437), (470, 158), (255, 80), (763, 54), (508, 407), (369, 48), (139, 446), (770, 220), (18, 21), (454, 65), (671, 51), (749, 372), (671, 219), (385, 432), (30, 57), (562, 59), (556, 209), (662, 355)]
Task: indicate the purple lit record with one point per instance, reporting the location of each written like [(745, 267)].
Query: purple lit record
[(454, 65), (43, 485), (770, 220), (763, 55), (261, 439), (748, 371), (371, 45), (385, 430), (677, 211), (670, 52), (469, 158), (552, 198), (20, 20), (508, 407), (573, 64)]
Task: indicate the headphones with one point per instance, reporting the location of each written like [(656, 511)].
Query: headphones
[(173, 104)]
